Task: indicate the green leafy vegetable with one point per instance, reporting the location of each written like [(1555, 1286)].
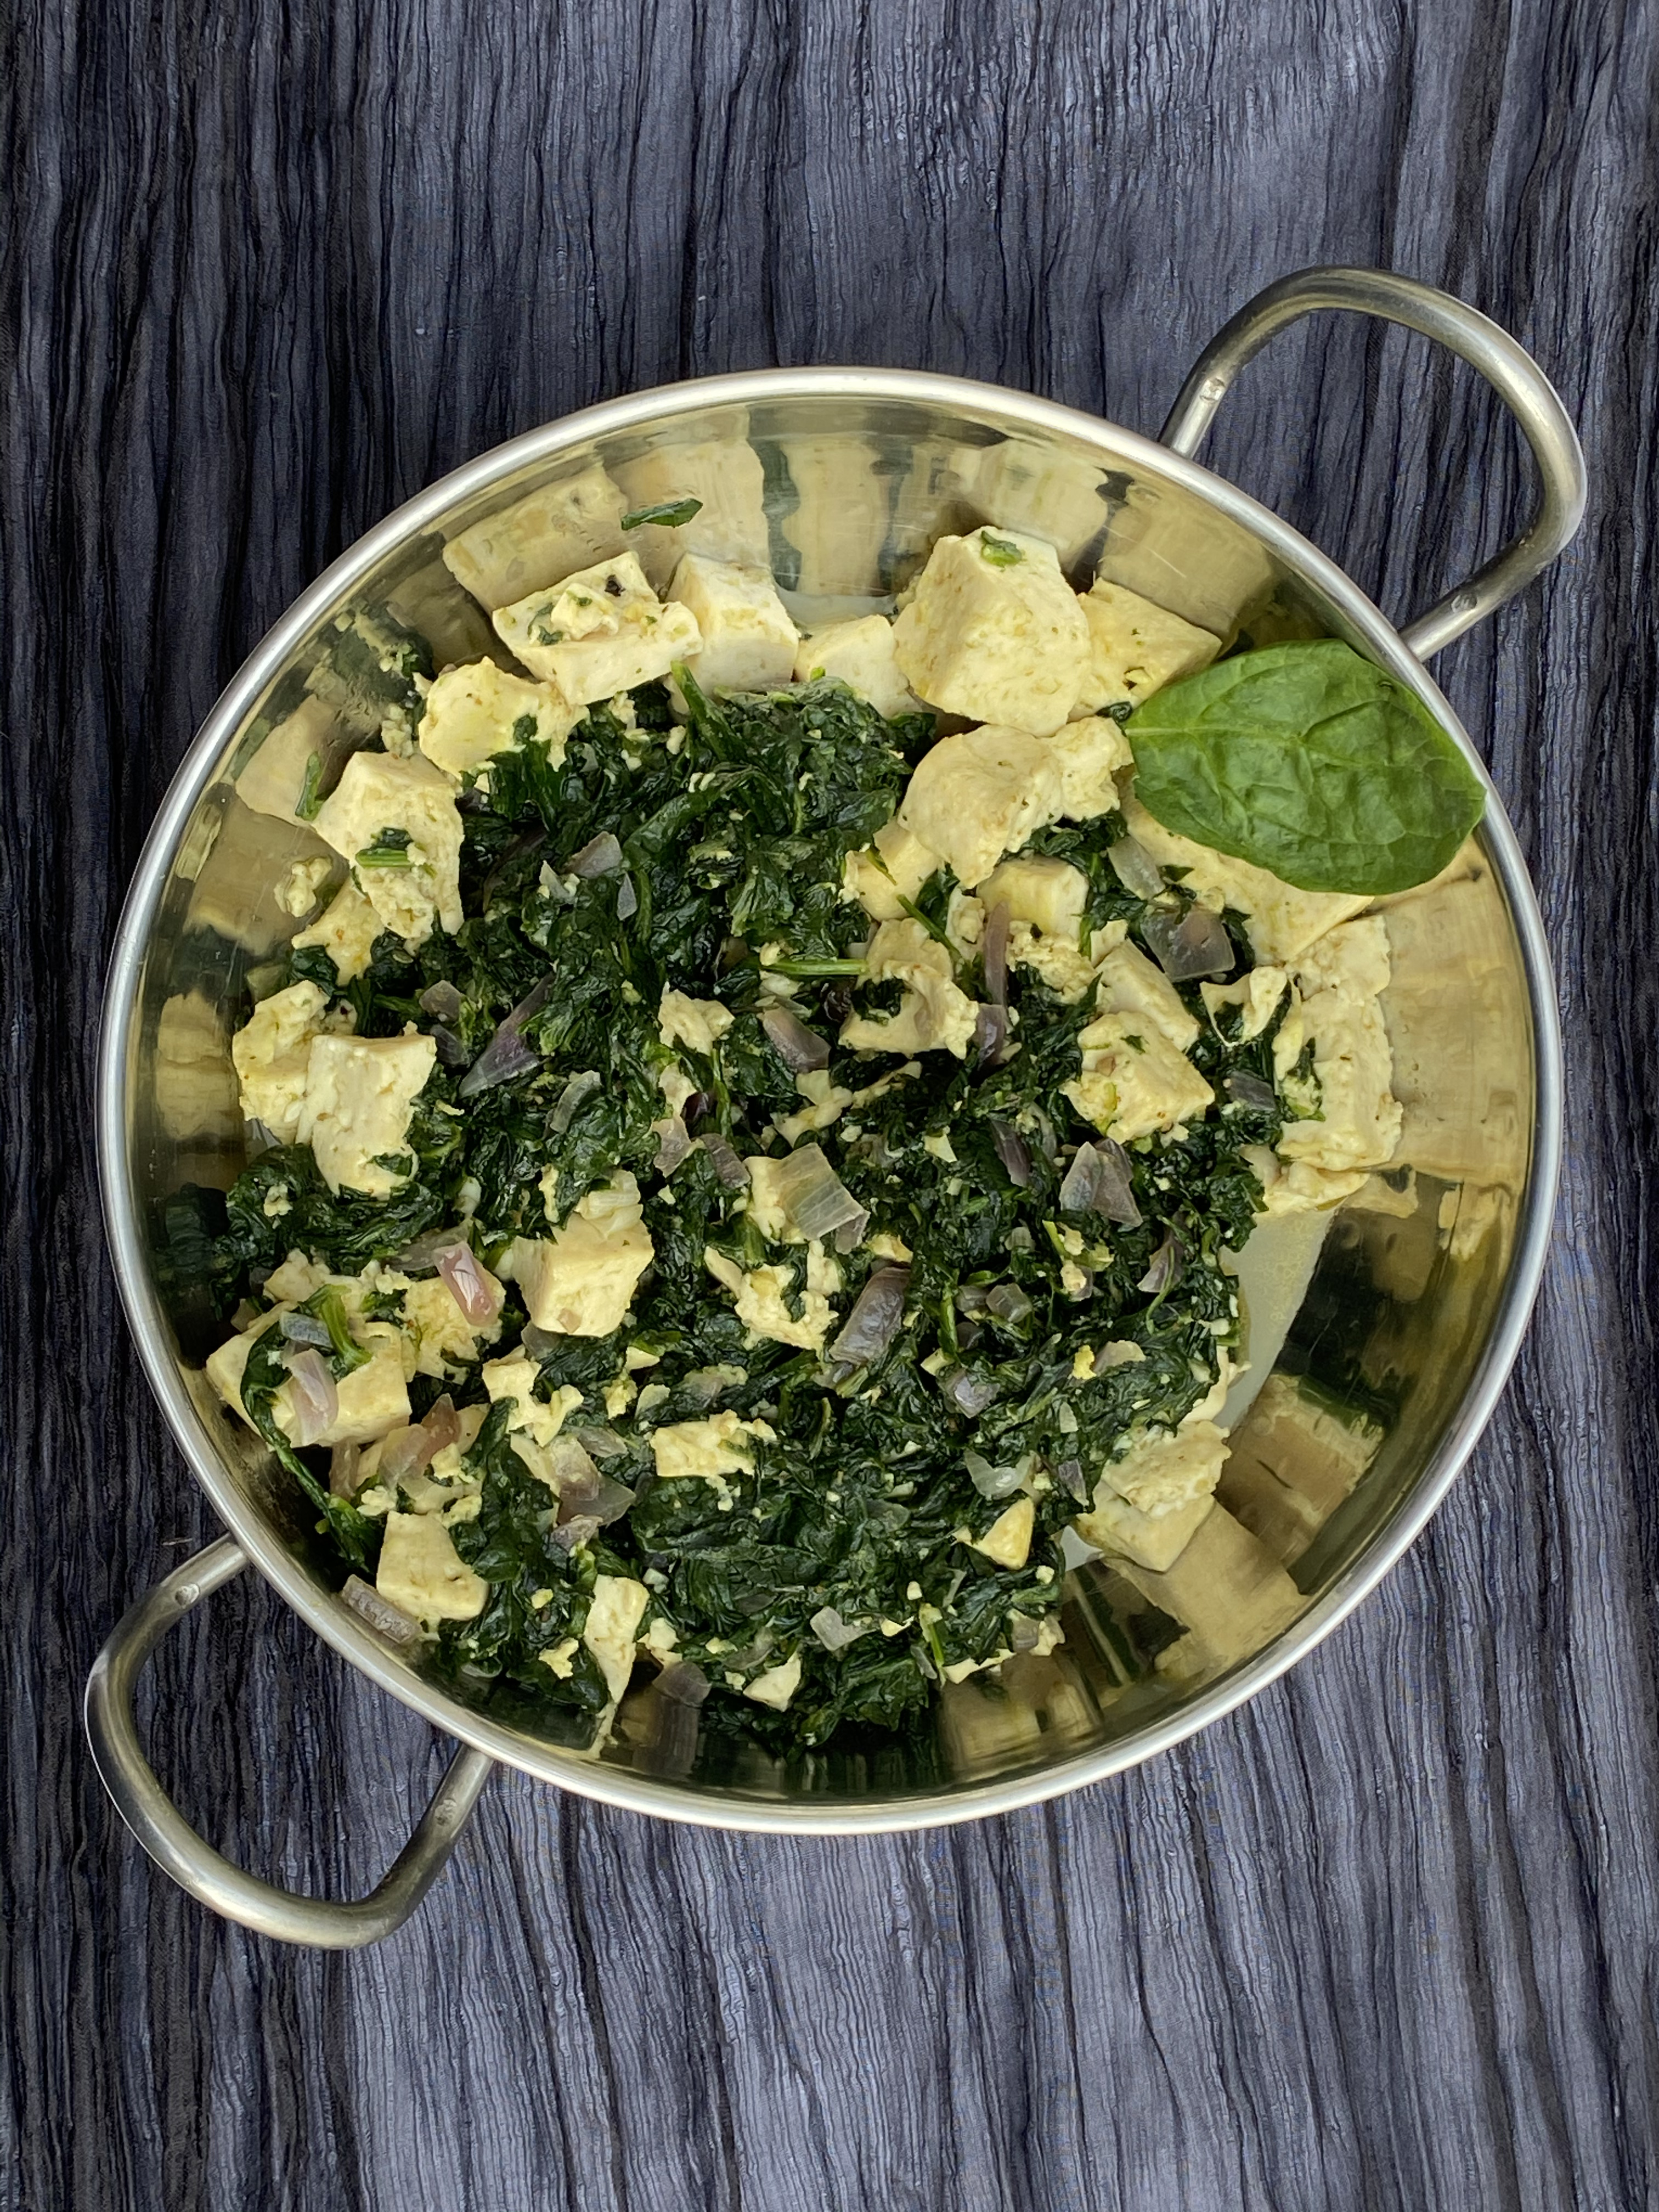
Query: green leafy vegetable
[(671, 513), (1306, 760), (999, 552)]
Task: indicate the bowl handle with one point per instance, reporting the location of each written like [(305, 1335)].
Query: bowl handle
[(1513, 374), (174, 1845)]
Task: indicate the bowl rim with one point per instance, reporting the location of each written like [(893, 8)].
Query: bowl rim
[(267, 1550)]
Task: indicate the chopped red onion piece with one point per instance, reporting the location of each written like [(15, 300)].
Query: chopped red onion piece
[(580, 1528), (472, 1285), (451, 1050), (628, 900), (832, 1631), (601, 1443), (968, 1393), (574, 1096), (1011, 1150), (599, 856), (343, 1470), (799, 1048), (525, 841), (1164, 1272), (990, 1037), (1023, 1632), (574, 1474), (539, 1342), (312, 1395), (673, 1144), (1010, 1304), (1136, 869), (305, 1328), (874, 1320), (699, 1107), (1098, 1181), (814, 1196), (443, 1425), (1072, 1478), (993, 953), (729, 1170), (972, 1299), (421, 1255), (991, 1482), (703, 1385), (1247, 1090), (442, 1000), (506, 1055), (405, 1453), (388, 1621), (683, 1681), (1198, 945)]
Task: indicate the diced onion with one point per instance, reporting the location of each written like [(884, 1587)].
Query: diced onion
[(442, 1001), (874, 1320), (1098, 1181), (993, 953), (1198, 945), (599, 856), (574, 1096), (991, 1482), (305, 1328), (628, 900), (472, 1285), (1011, 1150), (451, 1050), (1072, 1478), (814, 1196), (1023, 1632), (422, 1255), (832, 1631), (405, 1453), (990, 1037), (443, 1425), (342, 1462), (1010, 1304), (1247, 1090), (312, 1394), (673, 1144), (506, 1055), (683, 1681), (1167, 1262), (1136, 869), (968, 1393), (729, 1170), (601, 1443), (799, 1048)]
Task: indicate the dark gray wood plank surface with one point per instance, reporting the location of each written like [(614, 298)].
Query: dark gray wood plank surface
[(1387, 1938)]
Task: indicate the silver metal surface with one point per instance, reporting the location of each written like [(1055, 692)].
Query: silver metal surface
[(1424, 1295), (174, 1845), (1512, 374)]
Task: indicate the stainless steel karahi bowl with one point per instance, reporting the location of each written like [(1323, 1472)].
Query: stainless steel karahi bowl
[(1380, 1338)]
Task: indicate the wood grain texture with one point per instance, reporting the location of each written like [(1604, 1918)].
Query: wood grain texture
[(1387, 1937)]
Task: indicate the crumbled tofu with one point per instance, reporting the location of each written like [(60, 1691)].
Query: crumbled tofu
[(777, 1685), (711, 1449), (346, 931), (862, 655), (1283, 921), (1360, 1119), (538, 539), (934, 1015), (410, 798), (979, 794), (1008, 1539), (763, 1302), (302, 885), (603, 631), (1256, 996), (1295, 1187), (475, 711), (1133, 1080), (994, 632), (444, 1340), (748, 639), (697, 1023), (1130, 984), (1089, 754), (271, 1053), (579, 1281), (421, 1571), (1048, 893), (360, 1094), (1135, 648), (373, 1398), (614, 1613), (537, 1419), (894, 869), (1066, 971)]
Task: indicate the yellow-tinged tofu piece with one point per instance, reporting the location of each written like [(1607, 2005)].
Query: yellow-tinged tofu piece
[(1089, 754), (777, 1685), (373, 1399), (697, 1023), (1163, 1471), (346, 931), (443, 1338), (982, 794), (1256, 995), (1133, 1081), (861, 654), (1008, 1539), (994, 632), (360, 1094), (475, 711), (538, 539), (580, 1281), (421, 1571), (934, 1015), (603, 631), (271, 1054), (614, 1613), (710, 1449), (1135, 648), (894, 868), (1339, 979), (748, 639), (761, 1295), (1049, 894), (415, 802), (1283, 921), (1129, 983)]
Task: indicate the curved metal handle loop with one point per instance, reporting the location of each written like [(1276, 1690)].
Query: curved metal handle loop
[(174, 1845), (1513, 374)]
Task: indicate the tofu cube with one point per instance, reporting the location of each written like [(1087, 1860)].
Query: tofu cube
[(540, 540), (360, 1094), (894, 868), (346, 931), (475, 711), (708, 1450), (1133, 1080), (862, 655), (1129, 983), (1151, 1540), (1135, 648), (422, 1574), (614, 1613), (933, 1015), (777, 1685), (1008, 1539), (748, 639), (271, 1054), (580, 1281), (1049, 894), (415, 884), (273, 782), (995, 633), (1089, 754), (603, 631), (979, 794), (373, 1399)]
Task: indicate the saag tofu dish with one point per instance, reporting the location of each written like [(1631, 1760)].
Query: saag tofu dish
[(751, 1144)]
